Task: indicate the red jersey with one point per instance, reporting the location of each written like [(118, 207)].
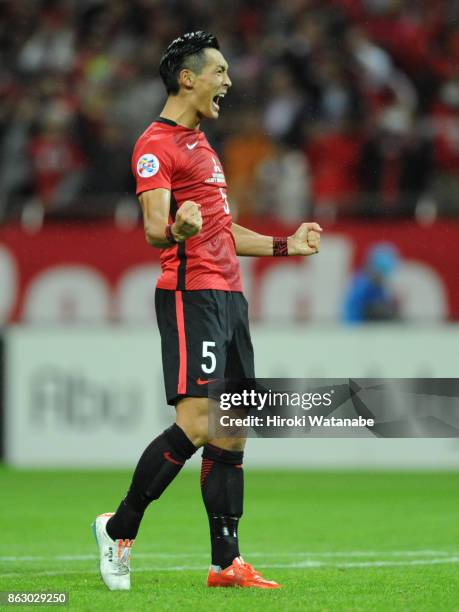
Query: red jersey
[(170, 156)]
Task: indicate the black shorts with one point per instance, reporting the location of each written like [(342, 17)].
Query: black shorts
[(204, 337)]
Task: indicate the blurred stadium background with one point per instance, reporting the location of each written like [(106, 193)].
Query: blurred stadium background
[(345, 112)]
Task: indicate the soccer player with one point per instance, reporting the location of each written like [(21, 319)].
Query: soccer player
[(201, 311)]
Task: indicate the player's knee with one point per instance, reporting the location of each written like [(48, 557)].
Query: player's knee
[(196, 432), (229, 444), (192, 417)]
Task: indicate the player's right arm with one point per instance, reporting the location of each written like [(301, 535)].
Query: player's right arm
[(155, 205)]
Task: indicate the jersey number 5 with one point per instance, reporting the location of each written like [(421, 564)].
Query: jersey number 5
[(207, 354), (225, 201)]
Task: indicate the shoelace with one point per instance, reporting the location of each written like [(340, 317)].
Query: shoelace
[(122, 564), (249, 568)]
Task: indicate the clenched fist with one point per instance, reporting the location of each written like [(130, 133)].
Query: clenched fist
[(306, 240), (188, 221)]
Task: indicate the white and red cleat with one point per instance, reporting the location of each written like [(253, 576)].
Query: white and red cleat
[(114, 556), (239, 574)]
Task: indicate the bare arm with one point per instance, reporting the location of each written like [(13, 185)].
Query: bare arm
[(250, 243), (155, 205), (305, 241)]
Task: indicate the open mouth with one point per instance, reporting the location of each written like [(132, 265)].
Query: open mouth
[(216, 101)]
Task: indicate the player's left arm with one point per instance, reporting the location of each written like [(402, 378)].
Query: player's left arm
[(305, 241)]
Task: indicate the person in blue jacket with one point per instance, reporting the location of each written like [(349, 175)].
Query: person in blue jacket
[(369, 297)]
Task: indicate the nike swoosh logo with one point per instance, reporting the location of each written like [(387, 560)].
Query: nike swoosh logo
[(205, 382), (169, 457), (192, 146)]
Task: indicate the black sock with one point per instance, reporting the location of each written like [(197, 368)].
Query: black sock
[(222, 486), (159, 464)]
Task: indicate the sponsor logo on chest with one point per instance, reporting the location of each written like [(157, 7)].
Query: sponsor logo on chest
[(217, 174)]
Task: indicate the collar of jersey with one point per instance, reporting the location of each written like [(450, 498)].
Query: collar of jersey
[(173, 124), (166, 121)]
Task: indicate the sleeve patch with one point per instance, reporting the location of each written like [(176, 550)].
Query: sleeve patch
[(148, 165)]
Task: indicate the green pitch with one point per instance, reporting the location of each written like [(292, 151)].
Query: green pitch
[(336, 541)]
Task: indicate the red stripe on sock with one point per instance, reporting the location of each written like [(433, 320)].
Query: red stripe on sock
[(181, 389), (206, 466)]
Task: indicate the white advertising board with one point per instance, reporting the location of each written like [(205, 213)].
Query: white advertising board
[(94, 396), (82, 397)]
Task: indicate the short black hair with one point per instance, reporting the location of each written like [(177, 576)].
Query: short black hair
[(186, 51)]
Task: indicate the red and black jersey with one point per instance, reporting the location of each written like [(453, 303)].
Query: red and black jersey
[(170, 156)]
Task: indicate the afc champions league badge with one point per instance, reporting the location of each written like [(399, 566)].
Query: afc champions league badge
[(148, 165)]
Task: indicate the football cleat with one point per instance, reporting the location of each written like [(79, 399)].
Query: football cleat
[(114, 556), (239, 574)]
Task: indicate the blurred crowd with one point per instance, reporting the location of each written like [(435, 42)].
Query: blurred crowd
[(338, 108)]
